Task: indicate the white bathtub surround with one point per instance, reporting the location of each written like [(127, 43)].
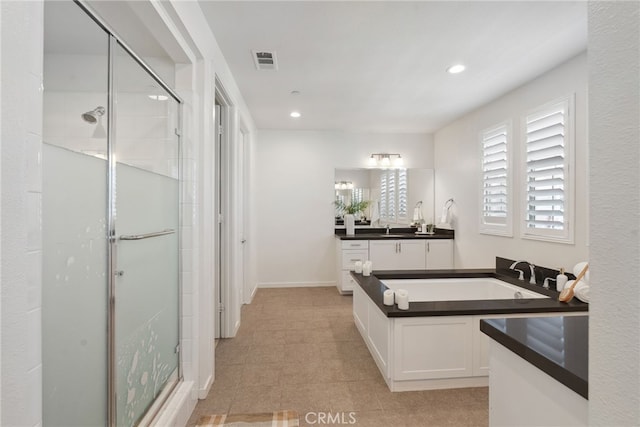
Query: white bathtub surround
[(433, 352), (459, 289), (519, 390)]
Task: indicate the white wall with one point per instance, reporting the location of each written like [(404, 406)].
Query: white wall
[(294, 193), (614, 147), (21, 35), (457, 153), (183, 25)]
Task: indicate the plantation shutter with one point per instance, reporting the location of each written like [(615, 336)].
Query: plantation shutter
[(495, 181), (391, 195), (403, 215), (546, 170), (383, 197)]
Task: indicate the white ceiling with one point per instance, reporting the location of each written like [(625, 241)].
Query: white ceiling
[(380, 66)]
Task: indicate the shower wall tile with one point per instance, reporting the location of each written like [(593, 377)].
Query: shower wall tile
[(34, 280), (187, 214), (187, 330), (186, 238), (189, 169), (34, 221), (34, 41), (33, 154), (34, 396), (188, 191), (187, 283), (33, 356), (187, 259), (187, 352), (33, 94), (187, 307)]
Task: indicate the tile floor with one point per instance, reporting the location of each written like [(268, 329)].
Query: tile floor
[(299, 349)]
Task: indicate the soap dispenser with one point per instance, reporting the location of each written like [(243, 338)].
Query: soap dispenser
[(561, 280)]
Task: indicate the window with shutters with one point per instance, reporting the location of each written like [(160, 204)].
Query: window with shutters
[(495, 203), (393, 196), (548, 159)]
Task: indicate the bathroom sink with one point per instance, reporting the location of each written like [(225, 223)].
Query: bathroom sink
[(393, 235)]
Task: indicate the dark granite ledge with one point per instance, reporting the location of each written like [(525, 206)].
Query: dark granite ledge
[(374, 288), (570, 364), (398, 233)]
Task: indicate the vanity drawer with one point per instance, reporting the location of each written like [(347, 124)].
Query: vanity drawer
[(355, 244), (349, 257)]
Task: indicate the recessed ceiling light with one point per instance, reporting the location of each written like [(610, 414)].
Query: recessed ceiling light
[(455, 69), (295, 114)]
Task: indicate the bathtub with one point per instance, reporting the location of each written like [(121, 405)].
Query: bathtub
[(425, 352), (475, 289)]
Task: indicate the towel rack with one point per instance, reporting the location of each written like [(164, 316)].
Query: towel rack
[(146, 236)]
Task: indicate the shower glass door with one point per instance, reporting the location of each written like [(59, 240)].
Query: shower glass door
[(74, 219), (145, 159)]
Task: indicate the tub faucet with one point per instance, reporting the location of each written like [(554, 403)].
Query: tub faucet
[(532, 279)]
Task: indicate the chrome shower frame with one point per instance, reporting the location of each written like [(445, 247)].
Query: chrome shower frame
[(114, 41)]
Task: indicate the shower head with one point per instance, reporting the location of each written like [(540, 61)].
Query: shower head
[(92, 116)]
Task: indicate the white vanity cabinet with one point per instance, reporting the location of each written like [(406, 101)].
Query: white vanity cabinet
[(411, 254), (348, 252), (439, 254), (398, 254)]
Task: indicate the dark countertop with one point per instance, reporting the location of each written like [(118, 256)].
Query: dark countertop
[(396, 233), (567, 361), (374, 288)]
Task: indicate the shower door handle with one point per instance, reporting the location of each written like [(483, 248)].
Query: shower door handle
[(146, 236)]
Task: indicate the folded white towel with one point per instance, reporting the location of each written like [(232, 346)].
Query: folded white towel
[(375, 212), (581, 290), (578, 268), (583, 293)]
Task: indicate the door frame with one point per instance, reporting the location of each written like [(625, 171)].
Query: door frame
[(222, 213)]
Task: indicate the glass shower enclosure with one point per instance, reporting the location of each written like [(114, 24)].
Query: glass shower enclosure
[(111, 288)]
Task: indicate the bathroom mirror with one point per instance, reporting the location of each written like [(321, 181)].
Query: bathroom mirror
[(392, 195)]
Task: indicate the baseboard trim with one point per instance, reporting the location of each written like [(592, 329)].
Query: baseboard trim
[(204, 391), (319, 284)]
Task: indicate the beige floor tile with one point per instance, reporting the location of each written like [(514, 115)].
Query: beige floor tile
[(259, 374), (254, 399), (269, 337), (298, 349)]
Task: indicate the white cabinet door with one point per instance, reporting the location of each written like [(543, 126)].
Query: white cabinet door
[(383, 254), (402, 254), (432, 347), (439, 254), (412, 255)]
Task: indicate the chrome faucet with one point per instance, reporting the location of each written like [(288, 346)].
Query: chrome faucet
[(532, 278), (545, 284), (388, 227)]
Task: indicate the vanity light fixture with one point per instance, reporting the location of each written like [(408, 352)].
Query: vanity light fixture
[(386, 160), (295, 114), (344, 185), (455, 69)]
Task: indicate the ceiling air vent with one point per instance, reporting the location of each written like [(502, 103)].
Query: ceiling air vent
[(264, 60)]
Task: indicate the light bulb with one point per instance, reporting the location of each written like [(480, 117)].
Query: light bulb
[(398, 162), (386, 161)]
